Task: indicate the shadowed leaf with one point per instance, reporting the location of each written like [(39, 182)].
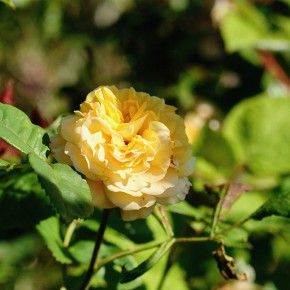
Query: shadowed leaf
[(67, 190)]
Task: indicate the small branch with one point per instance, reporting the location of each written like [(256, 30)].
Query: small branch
[(69, 233), (194, 239), (218, 210), (130, 251), (271, 64), (162, 218), (103, 225)]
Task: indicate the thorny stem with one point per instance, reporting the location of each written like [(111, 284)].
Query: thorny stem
[(100, 235)]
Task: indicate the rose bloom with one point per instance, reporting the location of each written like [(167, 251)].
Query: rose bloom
[(131, 147)]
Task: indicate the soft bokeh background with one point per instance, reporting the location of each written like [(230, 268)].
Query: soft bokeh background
[(206, 58)]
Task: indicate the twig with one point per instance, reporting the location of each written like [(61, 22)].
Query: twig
[(271, 64)]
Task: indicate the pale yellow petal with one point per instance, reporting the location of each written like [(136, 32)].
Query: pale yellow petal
[(131, 215), (129, 202), (175, 194), (156, 188), (57, 145), (99, 196), (79, 160)]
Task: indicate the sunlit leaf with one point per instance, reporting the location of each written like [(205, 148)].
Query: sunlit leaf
[(259, 132), (67, 190), (17, 130), (215, 149), (246, 20), (4, 163), (49, 230), (184, 208), (9, 3), (129, 275)]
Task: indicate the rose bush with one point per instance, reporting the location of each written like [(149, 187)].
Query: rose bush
[(131, 147)]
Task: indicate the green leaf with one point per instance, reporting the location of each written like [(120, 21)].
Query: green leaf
[(259, 133), (244, 20), (129, 275), (50, 231), (9, 3), (82, 251), (277, 204), (68, 191), (4, 163), (22, 200), (215, 149), (17, 130), (184, 208)]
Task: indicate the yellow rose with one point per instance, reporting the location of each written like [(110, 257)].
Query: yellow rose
[(131, 147)]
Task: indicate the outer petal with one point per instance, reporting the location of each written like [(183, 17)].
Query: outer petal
[(175, 194), (79, 160), (131, 215), (98, 194), (169, 181), (128, 202), (57, 145)]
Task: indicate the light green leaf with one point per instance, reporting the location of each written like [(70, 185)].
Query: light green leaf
[(82, 251), (243, 26), (259, 132), (49, 230), (215, 149), (68, 191), (129, 275), (9, 3), (4, 163), (184, 208), (17, 130)]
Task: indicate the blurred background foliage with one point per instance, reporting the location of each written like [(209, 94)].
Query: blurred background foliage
[(224, 64)]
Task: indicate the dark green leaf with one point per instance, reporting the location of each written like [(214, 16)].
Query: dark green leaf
[(259, 132), (22, 201), (277, 204), (129, 275), (67, 190), (50, 231), (17, 130)]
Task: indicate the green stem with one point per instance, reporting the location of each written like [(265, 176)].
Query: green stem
[(194, 239), (218, 210), (100, 235), (162, 218), (69, 233), (127, 252)]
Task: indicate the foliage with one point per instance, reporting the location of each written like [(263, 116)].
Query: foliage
[(222, 62)]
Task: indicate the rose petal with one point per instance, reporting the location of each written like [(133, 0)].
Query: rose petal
[(131, 215), (99, 197), (157, 188), (175, 194), (128, 202)]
